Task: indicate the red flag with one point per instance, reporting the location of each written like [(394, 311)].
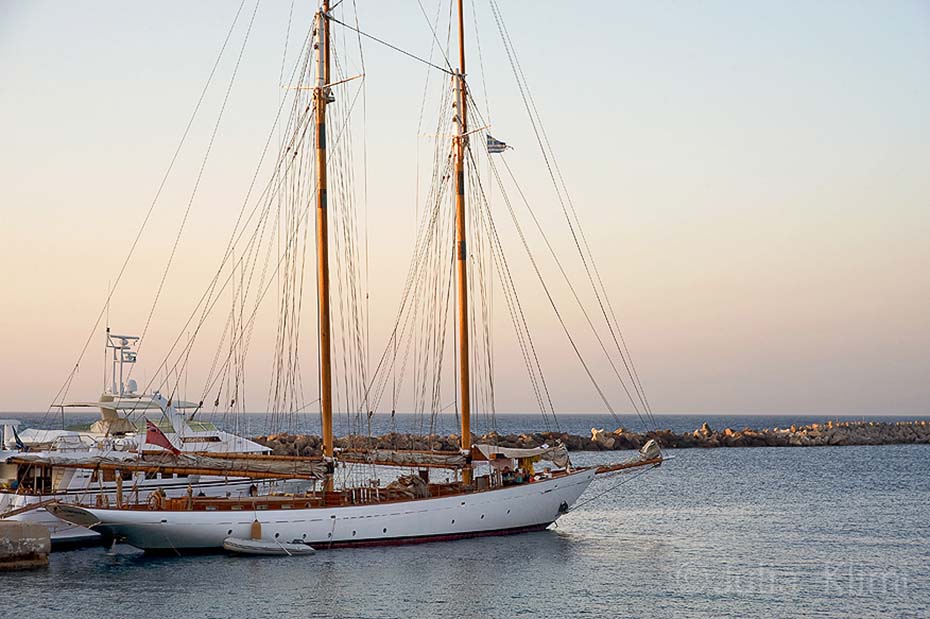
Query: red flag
[(156, 437)]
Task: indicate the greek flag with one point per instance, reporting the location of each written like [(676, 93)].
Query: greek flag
[(496, 146), (18, 441)]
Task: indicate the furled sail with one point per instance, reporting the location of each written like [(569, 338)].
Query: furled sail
[(392, 457), (253, 467), (558, 455)]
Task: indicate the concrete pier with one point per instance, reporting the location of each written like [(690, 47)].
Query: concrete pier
[(23, 545)]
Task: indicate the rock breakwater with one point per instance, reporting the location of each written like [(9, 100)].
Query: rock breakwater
[(815, 435)]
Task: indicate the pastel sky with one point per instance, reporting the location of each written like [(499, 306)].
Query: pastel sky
[(754, 178)]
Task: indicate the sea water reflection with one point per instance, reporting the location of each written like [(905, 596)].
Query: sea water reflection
[(820, 532)]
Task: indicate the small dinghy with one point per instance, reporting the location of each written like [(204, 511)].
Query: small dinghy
[(258, 546), (266, 547)]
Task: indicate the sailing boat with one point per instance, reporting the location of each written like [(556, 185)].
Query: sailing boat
[(496, 490)]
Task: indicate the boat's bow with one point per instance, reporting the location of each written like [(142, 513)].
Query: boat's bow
[(72, 513)]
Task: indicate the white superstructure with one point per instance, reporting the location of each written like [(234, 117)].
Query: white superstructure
[(26, 489)]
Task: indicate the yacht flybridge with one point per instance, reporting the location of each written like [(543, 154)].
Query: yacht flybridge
[(488, 489), (123, 417)]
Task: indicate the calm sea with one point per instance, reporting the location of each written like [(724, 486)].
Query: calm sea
[(254, 424), (764, 532)]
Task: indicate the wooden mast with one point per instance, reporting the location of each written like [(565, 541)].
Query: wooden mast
[(321, 98), (461, 249)]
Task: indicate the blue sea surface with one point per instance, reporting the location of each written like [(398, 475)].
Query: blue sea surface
[(749, 533)]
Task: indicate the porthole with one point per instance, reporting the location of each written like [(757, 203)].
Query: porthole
[(277, 535), (482, 516), (329, 535), (229, 532), (384, 530), (353, 533), (304, 536), (453, 521), (508, 511)]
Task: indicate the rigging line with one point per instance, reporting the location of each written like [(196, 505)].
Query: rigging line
[(284, 158), (257, 245), (614, 487), (549, 297), (361, 54), (571, 286), (435, 36), (296, 141), (422, 357), (631, 368), (529, 103), (260, 295), (424, 261), (416, 208), (490, 329), (386, 44), (203, 166), (485, 286), (484, 85), (208, 300), (524, 339), (151, 208), (245, 287), (281, 146), (547, 153), (518, 316), (420, 254)]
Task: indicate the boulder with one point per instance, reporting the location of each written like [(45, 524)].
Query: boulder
[(602, 439)]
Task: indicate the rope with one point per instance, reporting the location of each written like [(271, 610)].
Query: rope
[(389, 45), (62, 391), (203, 166), (207, 300), (573, 220), (624, 480)]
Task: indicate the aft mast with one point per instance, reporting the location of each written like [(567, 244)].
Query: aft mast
[(461, 249), (321, 96)]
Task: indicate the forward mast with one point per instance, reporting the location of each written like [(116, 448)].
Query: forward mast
[(322, 96), (461, 246)]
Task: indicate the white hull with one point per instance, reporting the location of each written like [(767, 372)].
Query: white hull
[(63, 532), (511, 509)]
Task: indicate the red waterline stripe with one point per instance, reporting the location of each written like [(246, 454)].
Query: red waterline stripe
[(425, 539)]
